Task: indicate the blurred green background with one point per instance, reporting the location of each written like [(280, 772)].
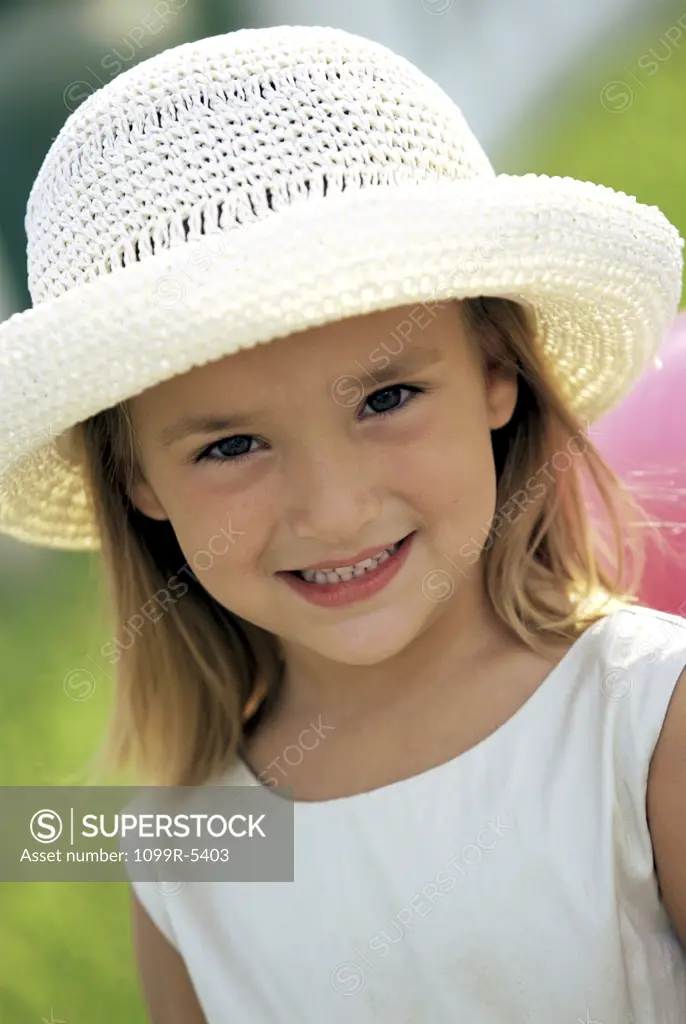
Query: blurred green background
[(65, 949)]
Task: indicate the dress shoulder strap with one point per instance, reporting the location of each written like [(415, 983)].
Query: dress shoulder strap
[(645, 653)]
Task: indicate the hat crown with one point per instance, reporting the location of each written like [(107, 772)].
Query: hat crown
[(217, 134)]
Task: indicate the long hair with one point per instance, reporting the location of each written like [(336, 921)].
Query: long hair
[(189, 672)]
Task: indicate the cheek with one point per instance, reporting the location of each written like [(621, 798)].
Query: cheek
[(223, 534), (450, 472)]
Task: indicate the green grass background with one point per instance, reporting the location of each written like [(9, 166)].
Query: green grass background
[(65, 948), (640, 150)]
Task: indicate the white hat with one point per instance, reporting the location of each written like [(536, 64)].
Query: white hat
[(336, 179)]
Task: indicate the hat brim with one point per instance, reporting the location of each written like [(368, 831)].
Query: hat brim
[(602, 272)]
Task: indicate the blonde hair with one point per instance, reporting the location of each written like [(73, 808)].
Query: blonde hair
[(184, 691)]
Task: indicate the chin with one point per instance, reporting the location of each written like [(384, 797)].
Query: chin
[(364, 646)]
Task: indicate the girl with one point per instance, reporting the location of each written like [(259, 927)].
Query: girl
[(358, 561)]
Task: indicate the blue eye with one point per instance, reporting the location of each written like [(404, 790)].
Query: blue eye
[(412, 389), (233, 456), (236, 440)]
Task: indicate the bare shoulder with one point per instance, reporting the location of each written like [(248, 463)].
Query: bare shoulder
[(665, 808), (167, 989)]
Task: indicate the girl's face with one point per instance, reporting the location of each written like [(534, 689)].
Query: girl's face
[(328, 444)]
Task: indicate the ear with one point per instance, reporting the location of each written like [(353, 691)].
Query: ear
[(501, 395), (145, 499)]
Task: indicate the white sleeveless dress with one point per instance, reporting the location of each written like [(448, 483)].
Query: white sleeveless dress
[(512, 884)]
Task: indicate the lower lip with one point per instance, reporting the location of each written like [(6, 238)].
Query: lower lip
[(357, 589)]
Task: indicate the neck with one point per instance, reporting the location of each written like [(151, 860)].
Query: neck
[(466, 628)]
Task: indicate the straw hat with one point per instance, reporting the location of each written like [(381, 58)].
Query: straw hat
[(233, 190)]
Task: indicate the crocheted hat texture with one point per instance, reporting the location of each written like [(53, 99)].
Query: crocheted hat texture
[(230, 191)]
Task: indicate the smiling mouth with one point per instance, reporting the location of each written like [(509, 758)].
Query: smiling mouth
[(348, 572)]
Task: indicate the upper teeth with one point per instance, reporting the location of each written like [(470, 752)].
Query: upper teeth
[(348, 572)]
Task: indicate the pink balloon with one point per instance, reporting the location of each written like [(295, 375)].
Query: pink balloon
[(643, 439)]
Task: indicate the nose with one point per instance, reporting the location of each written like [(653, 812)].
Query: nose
[(334, 495)]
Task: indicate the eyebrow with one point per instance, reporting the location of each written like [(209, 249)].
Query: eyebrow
[(187, 426), (206, 424), (415, 359)]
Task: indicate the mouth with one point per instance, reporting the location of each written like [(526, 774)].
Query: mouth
[(345, 573)]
